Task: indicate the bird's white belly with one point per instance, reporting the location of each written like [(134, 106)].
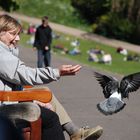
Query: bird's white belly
[(116, 95)]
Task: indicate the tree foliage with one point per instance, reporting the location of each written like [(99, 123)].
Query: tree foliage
[(9, 5), (113, 18), (129, 10), (91, 9)]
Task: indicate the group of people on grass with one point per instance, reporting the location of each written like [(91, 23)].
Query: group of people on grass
[(99, 56)]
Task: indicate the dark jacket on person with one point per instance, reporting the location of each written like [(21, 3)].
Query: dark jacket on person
[(43, 37)]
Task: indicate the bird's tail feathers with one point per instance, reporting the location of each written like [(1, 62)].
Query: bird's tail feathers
[(110, 106)]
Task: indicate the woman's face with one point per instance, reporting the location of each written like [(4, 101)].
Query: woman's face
[(10, 38)]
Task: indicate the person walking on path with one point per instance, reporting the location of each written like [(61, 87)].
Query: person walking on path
[(43, 39)]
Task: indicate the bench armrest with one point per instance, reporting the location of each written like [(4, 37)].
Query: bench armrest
[(41, 95)]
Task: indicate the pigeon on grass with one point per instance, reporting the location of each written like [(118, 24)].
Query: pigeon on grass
[(114, 92)]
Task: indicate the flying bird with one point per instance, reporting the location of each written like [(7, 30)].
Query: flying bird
[(115, 91)]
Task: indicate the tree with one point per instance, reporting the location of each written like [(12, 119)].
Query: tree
[(113, 18), (9, 5), (130, 10), (91, 9)]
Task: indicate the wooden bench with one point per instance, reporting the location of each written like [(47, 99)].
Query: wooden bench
[(34, 131)]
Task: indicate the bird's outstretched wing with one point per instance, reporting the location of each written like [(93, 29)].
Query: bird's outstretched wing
[(129, 84), (108, 83)]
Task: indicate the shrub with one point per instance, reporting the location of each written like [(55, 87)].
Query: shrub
[(114, 26)]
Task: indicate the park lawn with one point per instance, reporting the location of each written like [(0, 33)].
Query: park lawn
[(56, 10), (118, 65)]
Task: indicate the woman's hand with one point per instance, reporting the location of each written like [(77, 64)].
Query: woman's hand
[(69, 69), (45, 105)]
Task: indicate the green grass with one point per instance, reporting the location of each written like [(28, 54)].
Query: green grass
[(59, 11), (118, 65)]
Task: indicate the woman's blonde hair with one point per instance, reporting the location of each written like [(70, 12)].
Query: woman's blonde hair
[(8, 23)]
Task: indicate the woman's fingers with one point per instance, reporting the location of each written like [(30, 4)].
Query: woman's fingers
[(69, 69), (75, 68)]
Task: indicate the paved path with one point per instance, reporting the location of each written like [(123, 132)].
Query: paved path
[(81, 93), (81, 34)]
